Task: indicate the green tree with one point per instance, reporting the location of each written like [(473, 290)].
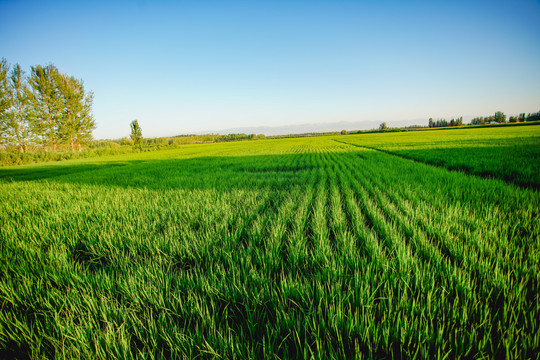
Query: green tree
[(47, 103), (500, 117), (343, 132), (76, 122), (383, 126), (136, 133), (21, 111), (5, 101)]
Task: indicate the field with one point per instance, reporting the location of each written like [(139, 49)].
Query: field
[(349, 246)]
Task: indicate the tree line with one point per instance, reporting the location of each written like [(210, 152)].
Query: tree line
[(46, 109), (445, 123), (500, 118), (136, 138)]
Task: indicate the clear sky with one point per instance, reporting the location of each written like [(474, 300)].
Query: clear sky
[(190, 66)]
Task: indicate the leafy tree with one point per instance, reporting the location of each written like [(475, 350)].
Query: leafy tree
[(521, 117), (343, 132), (136, 133), (383, 126), (47, 103), (21, 111), (533, 116), (5, 100), (76, 123), (499, 117), (85, 123), (513, 119)]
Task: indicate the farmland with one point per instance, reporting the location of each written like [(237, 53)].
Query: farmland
[(326, 247)]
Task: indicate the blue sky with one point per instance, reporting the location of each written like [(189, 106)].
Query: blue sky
[(190, 66)]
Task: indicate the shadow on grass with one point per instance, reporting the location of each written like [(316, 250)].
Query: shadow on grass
[(518, 164), (279, 171)]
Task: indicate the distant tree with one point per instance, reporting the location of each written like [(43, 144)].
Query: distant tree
[(533, 116), (500, 117), (84, 123), (76, 123), (343, 132), (21, 111), (5, 101), (513, 119), (460, 121), (383, 126), (431, 124), (521, 117), (47, 104), (136, 133)]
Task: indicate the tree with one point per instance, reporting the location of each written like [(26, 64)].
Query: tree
[(500, 117), (136, 132), (76, 122), (47, 103), (513, 119), (21, 111), (533, 116), (85, 123), (343, 132), (431, 124), (5, 100), (383, 126)]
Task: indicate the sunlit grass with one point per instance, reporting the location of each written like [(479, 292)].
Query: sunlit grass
[(293, 248)]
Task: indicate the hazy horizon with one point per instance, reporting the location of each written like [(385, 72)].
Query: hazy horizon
[(193, 67)]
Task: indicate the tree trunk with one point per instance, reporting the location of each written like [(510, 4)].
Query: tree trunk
[(79, 146), (54, 147), (71, 144)]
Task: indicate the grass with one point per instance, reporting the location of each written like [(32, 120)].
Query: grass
[(292, 248), (511, 153)]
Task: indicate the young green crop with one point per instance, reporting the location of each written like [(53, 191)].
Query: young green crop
[(291, 248), (508, 153)]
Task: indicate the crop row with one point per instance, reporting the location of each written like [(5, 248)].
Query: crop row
[(315, 249)]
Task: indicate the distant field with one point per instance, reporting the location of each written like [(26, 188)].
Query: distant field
[(504, 152), (323, 247)]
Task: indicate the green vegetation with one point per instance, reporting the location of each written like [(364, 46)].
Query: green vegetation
[(511, 153), (45, 110), (444, 123), (136, 133), (500, 118), (286, 248)]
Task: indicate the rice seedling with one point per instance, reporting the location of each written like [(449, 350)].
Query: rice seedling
[(323, 247)]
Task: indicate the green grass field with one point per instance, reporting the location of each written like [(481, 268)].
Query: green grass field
[(323, 247)]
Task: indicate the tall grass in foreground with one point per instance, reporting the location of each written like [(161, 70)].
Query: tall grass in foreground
[(298, 248)]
